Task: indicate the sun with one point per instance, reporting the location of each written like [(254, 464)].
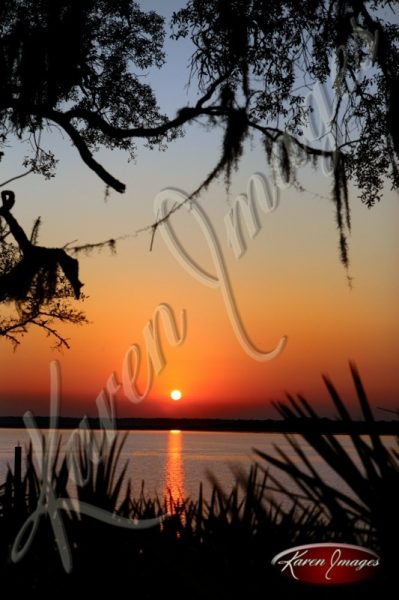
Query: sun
[(176, 395)]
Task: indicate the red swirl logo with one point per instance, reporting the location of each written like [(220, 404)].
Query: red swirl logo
[(328, 564)]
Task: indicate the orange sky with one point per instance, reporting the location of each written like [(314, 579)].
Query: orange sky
[(289, 282)]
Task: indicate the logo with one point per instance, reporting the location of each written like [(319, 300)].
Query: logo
[(328, 564)]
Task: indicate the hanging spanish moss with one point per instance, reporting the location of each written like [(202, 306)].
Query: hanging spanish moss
[(280, 149), (235, 134), (341, 200), (284, 156), (38, 269)]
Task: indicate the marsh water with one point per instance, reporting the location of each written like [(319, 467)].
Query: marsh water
[(177, 461)]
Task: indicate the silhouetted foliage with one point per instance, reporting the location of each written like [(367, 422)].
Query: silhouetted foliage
[(78, 66), (216, 546), (365, 501), (37, 281), (267, 56), (67, 62)]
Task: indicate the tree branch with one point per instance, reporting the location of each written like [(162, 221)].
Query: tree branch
[(84, 151), (16, 177), (8, 199), (185, 115), (308, 149)]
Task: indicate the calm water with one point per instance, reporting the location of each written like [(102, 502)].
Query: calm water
[(179, 461)]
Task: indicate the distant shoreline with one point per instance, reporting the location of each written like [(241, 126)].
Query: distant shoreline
[(323, 425)]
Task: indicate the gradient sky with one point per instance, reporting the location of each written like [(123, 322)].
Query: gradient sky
[(288, 282)]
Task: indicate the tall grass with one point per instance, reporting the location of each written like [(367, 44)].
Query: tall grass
[(369, 512), (219, 546)]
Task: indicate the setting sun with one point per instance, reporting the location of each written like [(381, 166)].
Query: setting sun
[(176, 395)]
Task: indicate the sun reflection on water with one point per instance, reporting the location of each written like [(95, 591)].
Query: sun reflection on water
[(174, 469)]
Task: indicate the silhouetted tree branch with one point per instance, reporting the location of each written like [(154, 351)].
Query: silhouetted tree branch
[(38, 266), (78, 66), (253, 64), (14, 328), (37, 281)]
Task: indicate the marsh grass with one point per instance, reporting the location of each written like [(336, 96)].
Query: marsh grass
[(368, 514), (219, 546)]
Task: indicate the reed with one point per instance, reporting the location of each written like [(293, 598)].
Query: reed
[(367, 513), (219, 546)]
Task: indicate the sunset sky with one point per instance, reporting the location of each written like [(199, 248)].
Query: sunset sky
[(288, 282)]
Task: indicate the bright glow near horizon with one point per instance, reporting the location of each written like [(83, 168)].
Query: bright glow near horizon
[(288, 281), (176, 395)]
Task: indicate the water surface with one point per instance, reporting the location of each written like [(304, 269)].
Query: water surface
[(179, 460)]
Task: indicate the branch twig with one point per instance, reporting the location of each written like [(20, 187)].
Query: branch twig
[(16, 177)]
